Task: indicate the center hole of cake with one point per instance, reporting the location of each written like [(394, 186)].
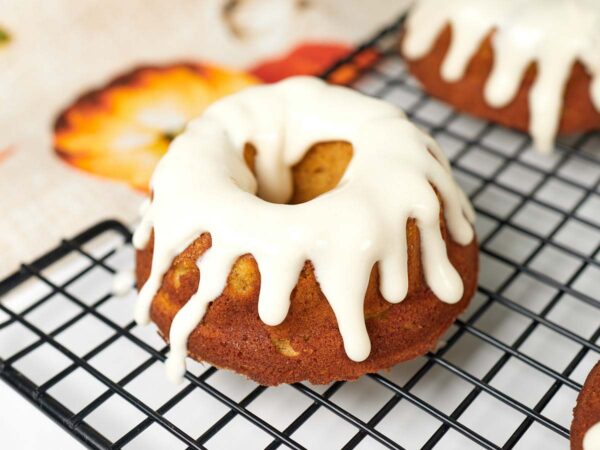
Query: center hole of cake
[(319, 171)]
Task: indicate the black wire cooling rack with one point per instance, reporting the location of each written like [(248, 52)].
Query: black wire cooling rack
[(505, 376)]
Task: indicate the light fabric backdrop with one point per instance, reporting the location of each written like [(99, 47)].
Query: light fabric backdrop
[(59, 49)]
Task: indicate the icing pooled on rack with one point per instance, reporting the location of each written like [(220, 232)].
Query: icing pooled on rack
[(203, 185), (591, 439), (122, 283), (554, 34)]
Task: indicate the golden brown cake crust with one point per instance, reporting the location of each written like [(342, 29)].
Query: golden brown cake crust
[(587, 412), (467, 94), (307, 345)]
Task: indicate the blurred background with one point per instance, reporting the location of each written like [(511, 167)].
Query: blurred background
[(93, 91)]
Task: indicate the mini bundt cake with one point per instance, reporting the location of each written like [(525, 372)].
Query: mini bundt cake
[(531, 65), (301, 231), (585, 429)]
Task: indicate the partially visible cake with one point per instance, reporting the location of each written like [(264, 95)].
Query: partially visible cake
[(585, 429)]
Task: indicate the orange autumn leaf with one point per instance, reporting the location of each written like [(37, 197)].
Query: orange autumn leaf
[(122, 130), (350, 71), (306, 59), (314, 59)]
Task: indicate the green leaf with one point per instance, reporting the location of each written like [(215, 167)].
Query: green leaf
[(4, 37)]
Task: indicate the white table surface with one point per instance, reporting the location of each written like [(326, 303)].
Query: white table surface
[(20, 417)]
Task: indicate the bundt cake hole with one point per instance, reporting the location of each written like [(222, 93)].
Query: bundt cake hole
[(318, 172)]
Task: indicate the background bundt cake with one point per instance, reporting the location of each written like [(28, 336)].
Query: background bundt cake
[(532, 65)]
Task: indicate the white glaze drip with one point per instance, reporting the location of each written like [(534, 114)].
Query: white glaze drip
[(591, 439), (203, 185), (552, 33), (123, 281)]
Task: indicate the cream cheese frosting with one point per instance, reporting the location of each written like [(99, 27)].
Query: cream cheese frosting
[(554, 34), (343, 232), (591, 439)]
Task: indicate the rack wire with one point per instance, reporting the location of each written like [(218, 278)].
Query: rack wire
[(505, 376)]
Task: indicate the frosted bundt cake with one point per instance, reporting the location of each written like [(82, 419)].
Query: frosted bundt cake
[(533, 65), (585, 429), (301, 231)]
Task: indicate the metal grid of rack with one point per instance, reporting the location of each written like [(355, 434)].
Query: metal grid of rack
[(505, 376)]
